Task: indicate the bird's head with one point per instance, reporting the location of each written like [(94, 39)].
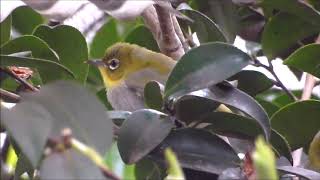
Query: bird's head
[(132, 65)]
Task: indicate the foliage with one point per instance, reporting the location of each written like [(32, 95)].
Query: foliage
[(200, 122)]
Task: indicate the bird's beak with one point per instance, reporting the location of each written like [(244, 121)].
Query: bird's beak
[(97, 63)]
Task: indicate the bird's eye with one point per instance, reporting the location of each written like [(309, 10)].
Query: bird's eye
[(113, 64)]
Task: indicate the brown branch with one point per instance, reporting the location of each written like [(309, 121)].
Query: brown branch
[(179, 33), (20, 80), (158, 20), (9, 96)]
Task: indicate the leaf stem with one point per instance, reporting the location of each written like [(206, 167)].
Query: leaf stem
[(20, 80), (278, 82)]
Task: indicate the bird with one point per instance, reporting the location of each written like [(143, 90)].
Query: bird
[(126, 69)]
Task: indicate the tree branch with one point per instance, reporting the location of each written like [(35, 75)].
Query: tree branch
[(9, 96)]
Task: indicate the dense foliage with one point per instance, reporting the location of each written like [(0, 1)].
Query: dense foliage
[(63, 126)]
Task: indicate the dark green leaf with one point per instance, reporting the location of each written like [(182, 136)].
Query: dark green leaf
[(295, 7), (304, 173), (306, 59), (5, 27), (29, 124), (199, 150), (224, 13), (314, 151), (152, 95), (105, 37), (70, 45), (141, 133), (51, 68), (23, 165), (252, 82), (280, 144), (298, 122), (25, 19), (118, 117), (207, 30), (283, 99), (146, 169), (232, 125), (315, 4), (142, 36), (228, 95), (203, 66), (191, 108), (283, 31), (269, 107), (117, 166), (69, 164)]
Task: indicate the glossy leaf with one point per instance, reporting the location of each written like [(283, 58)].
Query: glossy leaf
[(306, 59), (264, 160), (206, 29), (269, 107), (142, 36), (203, 66), (295, 7), (252, 82), (152, 95), (141, 133), (283, 31), (50, 67), (232, 125), (199, 150), (224, 13), (300, 118), (69, 164), (191, 108), (228, 95), (25, 19), (117, 166), (148, 170), (5, 27), (105, 37), (301, 172), (70, 46), (23, 165), (280, 144)]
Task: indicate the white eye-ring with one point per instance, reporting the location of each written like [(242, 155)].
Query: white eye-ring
[(113, 64)]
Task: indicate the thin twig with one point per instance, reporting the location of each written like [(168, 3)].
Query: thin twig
[(179, 33), (20, 80), (278, 82), (9, 96)]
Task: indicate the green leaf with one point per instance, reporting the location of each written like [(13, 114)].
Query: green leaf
[(148, 170), (142, 36), (281, 146), (306, 59), (190, 108), (258, 82), (269, 107), (174, 169), (152, 95), (300, 172), (105, 37), (203, 66), (207, 30), (283, 31), (23, 165), (49, 68), (141, 133), (70, 45), (199, 150), (102, 95), (69, 164), (282, 99), (295, 7), (228, 95), (232, 125), (224, 13), (25, 19), (264, 160), (5, 27), (114, 162), (30, 134), (298, 122)]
